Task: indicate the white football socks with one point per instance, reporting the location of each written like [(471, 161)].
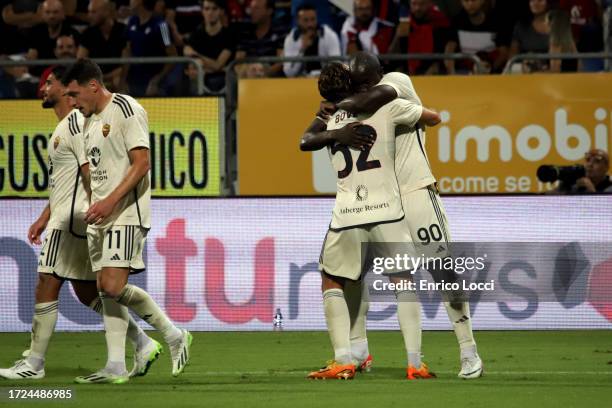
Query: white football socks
[(462, 324), (135, 334), (43, 325), (409, 317), (357, 300), (338, 324), (141, 303), (116, 320)]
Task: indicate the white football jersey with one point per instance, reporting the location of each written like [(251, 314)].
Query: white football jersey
[(109, 136), (402, 85), (367, 184), (68, 199), (412, 165)]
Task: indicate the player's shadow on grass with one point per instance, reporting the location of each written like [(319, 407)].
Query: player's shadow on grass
[(69, 371)]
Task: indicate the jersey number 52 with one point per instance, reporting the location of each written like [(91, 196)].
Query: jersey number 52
[(363, 163)]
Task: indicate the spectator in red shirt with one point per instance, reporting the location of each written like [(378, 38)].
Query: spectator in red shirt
[(364, 32), (586, 17), (237, 9), (424, 31), (388, 10)]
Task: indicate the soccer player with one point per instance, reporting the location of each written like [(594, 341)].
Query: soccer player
[(368, 172), (64, 255), (424, 209), (116, 133)]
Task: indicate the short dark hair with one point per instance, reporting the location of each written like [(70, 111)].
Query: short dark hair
[(306, 6), (271, 4), (76, 41), (335, 82), (83, 71), (58, 71), (365, 68)]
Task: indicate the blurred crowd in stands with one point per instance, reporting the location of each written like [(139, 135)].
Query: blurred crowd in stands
[(217, 32)]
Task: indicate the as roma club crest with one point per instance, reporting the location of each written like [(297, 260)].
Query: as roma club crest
[(56, 142), (105, 130)]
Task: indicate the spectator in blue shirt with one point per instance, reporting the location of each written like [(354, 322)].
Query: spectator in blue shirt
[(148, 36)]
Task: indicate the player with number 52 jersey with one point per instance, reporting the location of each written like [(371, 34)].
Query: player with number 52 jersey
[(368, 206)]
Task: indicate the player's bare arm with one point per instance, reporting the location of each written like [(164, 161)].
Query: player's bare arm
[(99, 211), (369, 101), (37, 228), (86, 179), (317, 137), (429, 117), (374, 98)]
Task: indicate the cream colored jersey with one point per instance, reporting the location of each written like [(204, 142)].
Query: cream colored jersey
[(402, 85), (68, 199), (367, 185), (412, 165), (109, 136)]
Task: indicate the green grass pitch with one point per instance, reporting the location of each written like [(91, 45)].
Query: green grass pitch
[(267, 369)]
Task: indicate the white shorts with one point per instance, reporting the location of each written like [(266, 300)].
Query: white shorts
[(424, 225), (118, 246), (429, 227), (65, 256), (426, 217), (341, 254)]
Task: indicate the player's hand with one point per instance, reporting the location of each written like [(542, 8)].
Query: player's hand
[(352, 135), (326, 109), (99, 211), (35, 231)]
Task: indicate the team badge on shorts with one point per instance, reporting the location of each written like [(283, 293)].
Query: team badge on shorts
[(56, 142), (105, 129)]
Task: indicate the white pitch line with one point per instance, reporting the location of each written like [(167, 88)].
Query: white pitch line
[(299, 373)]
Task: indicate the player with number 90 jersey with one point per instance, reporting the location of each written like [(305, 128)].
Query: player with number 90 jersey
[(368, 191)]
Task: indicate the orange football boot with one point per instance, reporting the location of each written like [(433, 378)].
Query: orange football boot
[(366, 366), (334, 371), (421, 373)]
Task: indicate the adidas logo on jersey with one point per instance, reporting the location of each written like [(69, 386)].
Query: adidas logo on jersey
[(115, 258), (463, 319)]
